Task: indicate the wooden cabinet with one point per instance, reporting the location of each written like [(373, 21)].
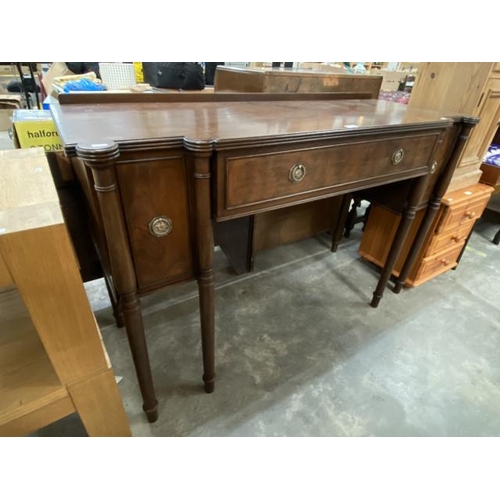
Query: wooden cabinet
[(457, 214), (463, 88), (52, 361)]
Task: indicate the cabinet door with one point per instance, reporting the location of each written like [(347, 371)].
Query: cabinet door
[(483, 133), (155, 199)]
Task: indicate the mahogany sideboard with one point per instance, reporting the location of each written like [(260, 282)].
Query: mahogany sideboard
[(159, 170)]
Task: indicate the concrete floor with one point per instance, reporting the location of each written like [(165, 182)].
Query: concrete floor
[(300, 352)]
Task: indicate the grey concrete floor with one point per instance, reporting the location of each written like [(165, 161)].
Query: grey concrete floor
[(301, 353)]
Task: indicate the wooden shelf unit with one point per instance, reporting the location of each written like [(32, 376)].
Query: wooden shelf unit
[(52, 361)]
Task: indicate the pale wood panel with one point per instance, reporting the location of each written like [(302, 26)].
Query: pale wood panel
[(43, 265), (37, 416), (449, 87), (29, 198), (485, 130), (99, 405), (5, 277), (26, 374)]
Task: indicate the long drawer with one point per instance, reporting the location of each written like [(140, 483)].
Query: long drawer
[(272, 178)]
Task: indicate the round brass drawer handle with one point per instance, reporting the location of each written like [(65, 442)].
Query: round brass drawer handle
[(398, 156), (297, 173), (160, 226)]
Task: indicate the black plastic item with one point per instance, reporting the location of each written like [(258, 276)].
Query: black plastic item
[(210, 68), (174, 75), (26, 85)]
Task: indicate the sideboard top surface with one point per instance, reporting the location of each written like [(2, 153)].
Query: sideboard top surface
[(216, 122)]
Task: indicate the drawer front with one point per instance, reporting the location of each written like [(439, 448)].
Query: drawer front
[(438, 263), (156, 205), (269, 179), (450, 238), (462, 214)]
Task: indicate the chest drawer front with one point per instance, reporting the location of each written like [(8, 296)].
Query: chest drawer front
[(268, 179), (155, 201), (449, 238), (440, 262), (462, 214)]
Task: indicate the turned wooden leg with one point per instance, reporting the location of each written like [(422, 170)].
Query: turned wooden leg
[(205, 254), (137, 340), (408, 215), (101, 159), (116, 305), (425, 225), (338, 230), (439, 190), (496, 238)]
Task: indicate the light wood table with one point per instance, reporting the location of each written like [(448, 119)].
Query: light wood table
[(52, 360)]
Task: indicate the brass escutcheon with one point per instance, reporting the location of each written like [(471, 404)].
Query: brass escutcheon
[(297, 173), (160, 226), (433, 167), (398, 156)]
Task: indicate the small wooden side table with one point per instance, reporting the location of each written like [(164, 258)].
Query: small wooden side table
[(52, 360)]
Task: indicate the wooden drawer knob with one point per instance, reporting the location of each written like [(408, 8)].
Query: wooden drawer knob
[(445, 262), (456, 239), (160, 226), (470, 215)]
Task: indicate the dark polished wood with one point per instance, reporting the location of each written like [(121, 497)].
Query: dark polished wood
[(205, 257), (404, 226), (185, 165), (440, 188), (101, 159), (187, 97), (272, 80)]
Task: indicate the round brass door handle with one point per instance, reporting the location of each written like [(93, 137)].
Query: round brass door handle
[(160, 226), (297, 173), (398, 156)]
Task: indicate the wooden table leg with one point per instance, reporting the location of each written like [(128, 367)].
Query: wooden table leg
[(205, 254), (433, 206), (407, 217), (101, 158), (338, 230)]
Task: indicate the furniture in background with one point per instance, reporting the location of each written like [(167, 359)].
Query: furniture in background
[(491, 176), (233, 79), (443, 245), (155, 187), (52, 360), (467, 89), (449, 88)]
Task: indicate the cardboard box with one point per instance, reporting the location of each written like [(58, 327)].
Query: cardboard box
[(8, 103), (5, 119), (56, 70), (34, 128)]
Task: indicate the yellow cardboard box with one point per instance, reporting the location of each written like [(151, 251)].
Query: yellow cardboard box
[(34, 128)]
